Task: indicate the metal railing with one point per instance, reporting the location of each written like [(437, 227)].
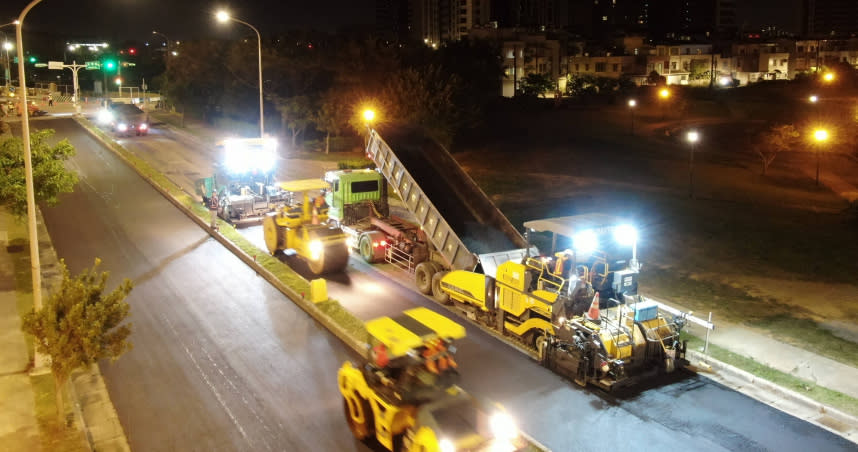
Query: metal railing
[(399, 258)]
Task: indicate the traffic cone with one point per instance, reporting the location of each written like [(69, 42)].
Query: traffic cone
[(593, 313)]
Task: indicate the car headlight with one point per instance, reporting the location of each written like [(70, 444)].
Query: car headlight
[(445, 445), (502, 426), (144, 126), (105, 117), (316, 250), (122, 127)]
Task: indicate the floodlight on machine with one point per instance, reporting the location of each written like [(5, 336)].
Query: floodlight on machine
[(503, 426), (585, 242), (245, 155), (316, 249), (105, 117), (626, 235), (445, 445)]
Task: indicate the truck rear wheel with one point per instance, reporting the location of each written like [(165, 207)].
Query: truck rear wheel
[(371, 254), (440, 295), (423, 277), (361, 421)]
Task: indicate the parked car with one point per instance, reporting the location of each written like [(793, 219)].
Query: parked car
[(125, 119)]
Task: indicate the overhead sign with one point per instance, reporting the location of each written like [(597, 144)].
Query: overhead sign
[(93, 65), (55, 65)]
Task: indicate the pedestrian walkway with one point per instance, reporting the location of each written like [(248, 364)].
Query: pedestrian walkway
[(19, 429)]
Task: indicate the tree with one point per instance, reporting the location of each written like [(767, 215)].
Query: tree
[(50, 176), (654, 78), (80, 325), (331, 117), (534, 85), (780, 137), (424, 98), (295, 114)]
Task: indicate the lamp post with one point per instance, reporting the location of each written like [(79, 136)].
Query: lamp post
[(35, 264), (663, 94), (168, 41), (7, 46), (632, 104), (368, 117), (223, 16), (820, 136), (693, 137)]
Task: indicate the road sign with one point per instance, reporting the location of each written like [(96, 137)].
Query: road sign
[(55, 65), (42, 65), (93, 65)]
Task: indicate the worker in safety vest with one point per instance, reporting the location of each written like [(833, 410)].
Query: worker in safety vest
[(213, 205), (437, 358), (319, 206)]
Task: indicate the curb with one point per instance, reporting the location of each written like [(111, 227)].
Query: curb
[(829, 418)]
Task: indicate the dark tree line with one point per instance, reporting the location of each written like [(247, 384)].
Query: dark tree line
[(321, 83)]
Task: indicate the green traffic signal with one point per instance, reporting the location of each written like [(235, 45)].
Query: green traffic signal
[(109, 65), (32, 59)]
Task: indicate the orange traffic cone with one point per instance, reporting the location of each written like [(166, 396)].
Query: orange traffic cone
[(593, 313)]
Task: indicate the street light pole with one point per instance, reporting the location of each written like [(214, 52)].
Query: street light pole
[(820, 135), (632, 104), (222, 16), (693, 136), (35, 264), (7, 46)]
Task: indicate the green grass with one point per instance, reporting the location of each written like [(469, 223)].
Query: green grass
[(786, 323), (353, 326), (55, 435), (813, 391)]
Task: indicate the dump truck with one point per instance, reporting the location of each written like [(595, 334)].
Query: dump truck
[(554, 304), (301, 225), (243, 184), (455, 226), (406, 395)]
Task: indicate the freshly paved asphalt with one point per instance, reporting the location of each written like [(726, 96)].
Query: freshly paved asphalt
[(222, 361)]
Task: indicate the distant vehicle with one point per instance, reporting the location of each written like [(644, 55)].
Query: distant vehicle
[(125, 119)]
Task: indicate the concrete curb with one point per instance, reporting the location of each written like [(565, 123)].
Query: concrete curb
[(829, 418)]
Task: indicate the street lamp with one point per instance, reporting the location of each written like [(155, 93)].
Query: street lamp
[(7, 46), (223, 17), (632, 104), (813, 98), (828, 77), (693, 137), (820, 136), (663, 94), (368, 117), (35, 264)]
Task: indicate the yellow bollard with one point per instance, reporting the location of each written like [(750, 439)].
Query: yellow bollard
[(318, 290)]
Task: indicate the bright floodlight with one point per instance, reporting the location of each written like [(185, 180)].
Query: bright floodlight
[(368, 115), (693, 136), (829, 76), (724, 81), (250, 154), (813, 98), (632, 102), (585, 242), (105, 117), (445, 445), (502, 426), (664, 93), (626, 235), (222, 16), (820, 135), (7, 45)]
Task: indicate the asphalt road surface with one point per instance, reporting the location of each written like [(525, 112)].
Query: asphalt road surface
[(222, 361)]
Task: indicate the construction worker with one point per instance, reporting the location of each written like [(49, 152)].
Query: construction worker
[(563, 264), (582, 293), (213, 206), (320, 207)]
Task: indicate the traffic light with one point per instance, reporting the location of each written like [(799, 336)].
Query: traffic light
[(132, 51), (32, 59), (109, 65)]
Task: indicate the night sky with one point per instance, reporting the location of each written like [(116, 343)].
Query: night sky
[(183, 19)]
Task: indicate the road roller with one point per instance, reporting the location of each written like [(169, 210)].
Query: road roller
[(301, 226)]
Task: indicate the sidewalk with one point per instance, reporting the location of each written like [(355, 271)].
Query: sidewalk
[(19, 430)]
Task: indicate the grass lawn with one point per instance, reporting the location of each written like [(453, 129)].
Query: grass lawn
[(812, 391)]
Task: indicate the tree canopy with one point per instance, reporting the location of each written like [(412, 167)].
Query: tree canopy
[(50, 175), (80, 324)]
